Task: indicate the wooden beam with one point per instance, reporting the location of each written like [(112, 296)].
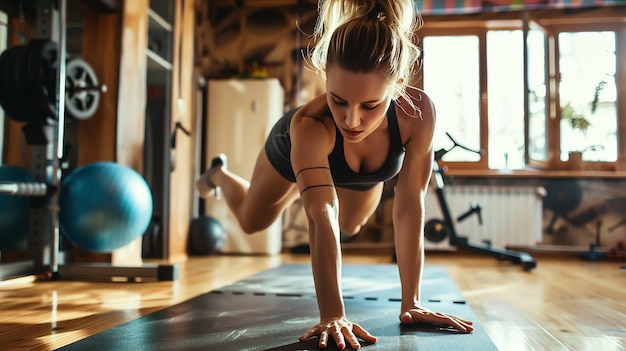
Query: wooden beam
[(101, 49), (131, 103), (182, 191)]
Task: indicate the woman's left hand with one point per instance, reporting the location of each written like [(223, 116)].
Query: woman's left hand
[(423, 315)]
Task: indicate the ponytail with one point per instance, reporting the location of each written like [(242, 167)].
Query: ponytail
[(366, 36)]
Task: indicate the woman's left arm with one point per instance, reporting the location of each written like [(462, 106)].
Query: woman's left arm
[(408, 218)]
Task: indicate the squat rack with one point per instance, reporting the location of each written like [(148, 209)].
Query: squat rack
[(46, 136)]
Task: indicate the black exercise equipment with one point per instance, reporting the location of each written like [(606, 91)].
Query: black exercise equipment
[(270, 310), (435, 231), (448, 221), (562, 197), (206, 236), (27, 86), (28, 90)]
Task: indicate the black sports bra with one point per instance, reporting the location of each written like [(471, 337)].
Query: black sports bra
[(345, 177)]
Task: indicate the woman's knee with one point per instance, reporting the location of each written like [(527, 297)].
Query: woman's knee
[(254, 224), (267, 197), (252, 228), (253, 220), (351, 226), (356, 208), (350, 231)]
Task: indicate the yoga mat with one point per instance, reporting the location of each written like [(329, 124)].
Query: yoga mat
[(270, 310)]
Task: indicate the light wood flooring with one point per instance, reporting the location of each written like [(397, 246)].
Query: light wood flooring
[(563, 304)]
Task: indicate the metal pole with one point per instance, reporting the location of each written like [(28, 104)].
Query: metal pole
[(60, 103), (61, 76)]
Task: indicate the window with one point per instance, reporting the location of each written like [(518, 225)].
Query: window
[(537, 93), (588, 95), (451, 79), (505, 89), (528, 91)]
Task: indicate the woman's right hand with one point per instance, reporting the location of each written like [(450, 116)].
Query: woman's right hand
[(342, 331)]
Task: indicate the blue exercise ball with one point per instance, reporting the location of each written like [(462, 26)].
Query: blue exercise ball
[(104, 206), (14, 211)]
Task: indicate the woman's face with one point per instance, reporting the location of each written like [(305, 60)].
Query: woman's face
[(357, 101)]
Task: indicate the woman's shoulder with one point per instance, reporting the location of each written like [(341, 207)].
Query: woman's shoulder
[(314, 113), (313, 128), (416, 115), (418, 94), (416, 104)]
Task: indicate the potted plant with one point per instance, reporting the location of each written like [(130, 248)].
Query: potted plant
[(579, 122)]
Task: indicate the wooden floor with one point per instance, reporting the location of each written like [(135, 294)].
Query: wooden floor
[(563, 304)]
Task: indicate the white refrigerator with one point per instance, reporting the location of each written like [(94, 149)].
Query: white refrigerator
[(240, 114)]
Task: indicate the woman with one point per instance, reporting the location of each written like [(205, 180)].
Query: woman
[(336, 151)]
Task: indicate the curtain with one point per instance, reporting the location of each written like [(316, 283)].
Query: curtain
[(448, 7)]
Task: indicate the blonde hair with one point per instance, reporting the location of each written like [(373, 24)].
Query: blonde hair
[(365, 36)]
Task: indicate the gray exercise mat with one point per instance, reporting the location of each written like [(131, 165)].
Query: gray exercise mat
[(381, 281), (268, 312)]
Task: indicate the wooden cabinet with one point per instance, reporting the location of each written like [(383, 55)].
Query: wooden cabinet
[(156, 156), (169, 167)]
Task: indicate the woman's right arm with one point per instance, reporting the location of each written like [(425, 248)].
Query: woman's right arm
[(312, 140)]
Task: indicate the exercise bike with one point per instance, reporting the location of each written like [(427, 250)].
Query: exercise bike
[(439, 229)]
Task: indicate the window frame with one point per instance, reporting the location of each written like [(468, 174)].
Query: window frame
[(482, 79), (554, 28), (481, 33), (554, 22)]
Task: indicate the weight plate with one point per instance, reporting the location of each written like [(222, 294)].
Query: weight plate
[(9, 101), (435, 230), (82, 91), (50, 60), (42, 77), (22, 91)]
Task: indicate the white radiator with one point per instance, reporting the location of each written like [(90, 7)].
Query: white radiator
[(511, 215)]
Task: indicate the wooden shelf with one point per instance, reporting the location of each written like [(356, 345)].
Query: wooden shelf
[(160, 31), (157, 23), (156, 62)]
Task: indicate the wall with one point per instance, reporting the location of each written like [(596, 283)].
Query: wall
[(232, 40)]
